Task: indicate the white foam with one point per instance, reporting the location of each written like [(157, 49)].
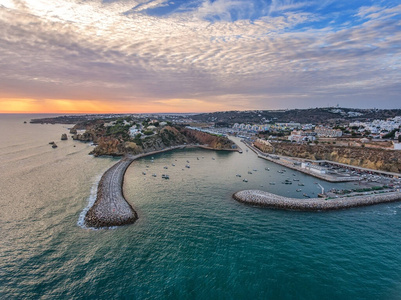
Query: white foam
[(91, 201)]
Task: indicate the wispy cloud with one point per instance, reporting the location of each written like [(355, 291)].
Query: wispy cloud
[(115, 51)]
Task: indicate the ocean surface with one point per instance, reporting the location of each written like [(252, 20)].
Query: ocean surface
[(192, 240)]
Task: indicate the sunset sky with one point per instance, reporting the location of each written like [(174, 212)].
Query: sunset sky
[(70, 56)]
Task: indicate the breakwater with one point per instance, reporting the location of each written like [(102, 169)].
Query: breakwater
[(269, 200), (111, 208)]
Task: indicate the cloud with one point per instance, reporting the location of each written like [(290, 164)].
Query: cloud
[(114, 51)]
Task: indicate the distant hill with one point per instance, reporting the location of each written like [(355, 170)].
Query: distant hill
[(329, 115)]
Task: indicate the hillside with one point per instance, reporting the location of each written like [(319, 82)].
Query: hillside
[(315, 115), (378, 159), (120, 143)]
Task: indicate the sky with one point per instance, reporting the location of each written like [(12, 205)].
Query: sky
[(138, 56)]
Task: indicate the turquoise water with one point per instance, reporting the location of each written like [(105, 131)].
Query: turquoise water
[(192, 240)]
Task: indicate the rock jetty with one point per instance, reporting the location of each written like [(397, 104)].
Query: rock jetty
[(265, 199), (110, 207)]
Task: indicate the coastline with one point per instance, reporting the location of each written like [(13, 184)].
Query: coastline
[(325, 177), (269, 200)]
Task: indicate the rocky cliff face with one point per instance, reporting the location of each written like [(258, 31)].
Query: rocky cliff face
[(203, 138), (166, 137), (378, 159)]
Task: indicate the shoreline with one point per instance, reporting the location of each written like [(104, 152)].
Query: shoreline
[(269, 200), (111, 208), (326, 177)]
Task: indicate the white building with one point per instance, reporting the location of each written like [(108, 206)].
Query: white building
[(313, 168), (328, 132)]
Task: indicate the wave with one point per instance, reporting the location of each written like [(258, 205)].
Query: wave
[(91, 201)]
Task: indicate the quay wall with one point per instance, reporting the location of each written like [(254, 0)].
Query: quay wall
[(269, 200), (325, 177)]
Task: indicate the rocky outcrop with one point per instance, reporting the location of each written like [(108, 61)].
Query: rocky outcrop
[(377, 159), (64, 137), (84, 137)]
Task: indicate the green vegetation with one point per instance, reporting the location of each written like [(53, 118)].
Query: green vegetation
[(119, 129), (391, 134), (148, 132)]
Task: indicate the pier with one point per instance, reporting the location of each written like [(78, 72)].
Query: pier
[(269, 200)]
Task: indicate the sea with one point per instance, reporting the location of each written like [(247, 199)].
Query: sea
[(192, 240)]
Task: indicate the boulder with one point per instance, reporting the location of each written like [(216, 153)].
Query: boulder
[(64, 137)]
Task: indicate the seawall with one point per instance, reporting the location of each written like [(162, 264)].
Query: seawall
[(269, 200)]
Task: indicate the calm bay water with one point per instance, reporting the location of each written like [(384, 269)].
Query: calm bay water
[(192, 241)]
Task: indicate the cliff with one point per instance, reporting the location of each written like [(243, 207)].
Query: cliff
[(378, 159), (167, 136)]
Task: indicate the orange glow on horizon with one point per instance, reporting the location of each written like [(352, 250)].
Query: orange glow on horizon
[(67, 106)]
